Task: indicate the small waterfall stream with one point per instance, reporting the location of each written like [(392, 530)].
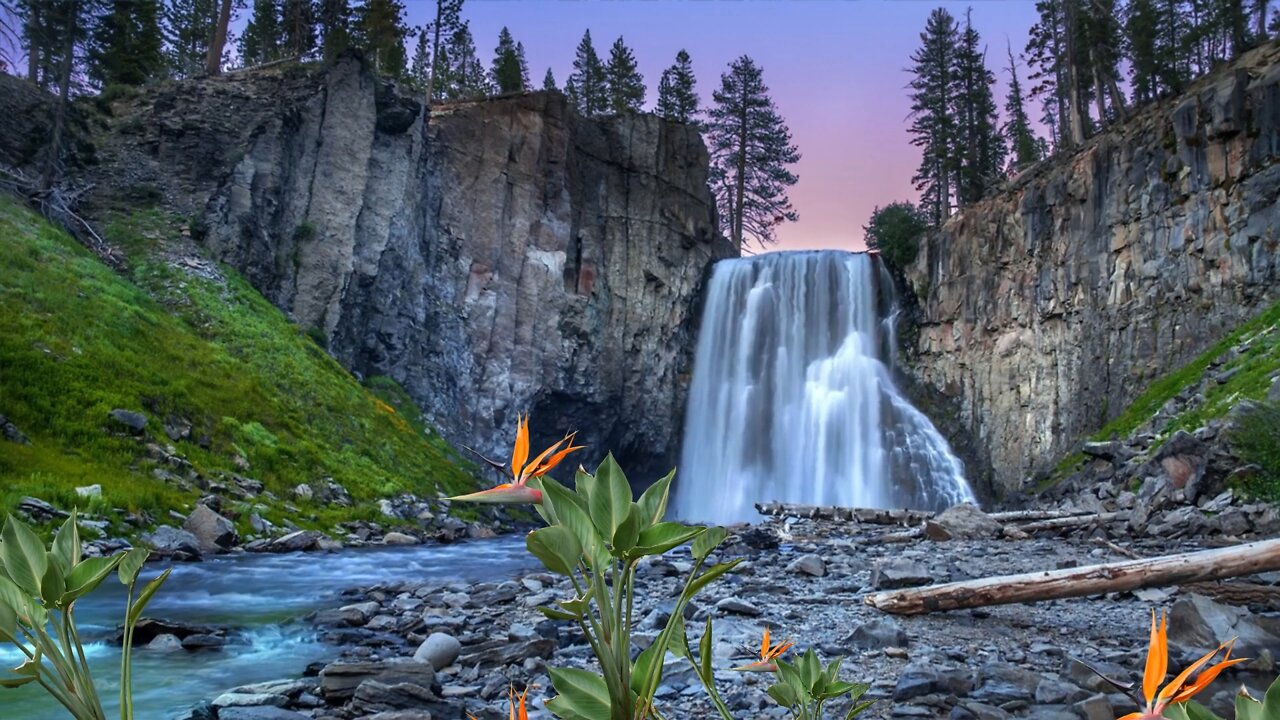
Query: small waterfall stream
[(792, 399)]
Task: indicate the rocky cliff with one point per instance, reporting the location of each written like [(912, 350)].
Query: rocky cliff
[(1049, 307), (499, 257)]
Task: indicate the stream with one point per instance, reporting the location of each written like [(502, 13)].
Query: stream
[(264, 596)]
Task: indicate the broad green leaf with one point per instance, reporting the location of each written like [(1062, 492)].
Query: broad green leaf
[(556, 547), (144, 597), (52, 585), (610, 499), (571, 514), (578, 606), (1271, 701), (705, 647), (580, 695), (66, 544), (643, 666), (625, 537), (653, 501), (585, 484), (31, 666), (710, 575), (662, 537), (1247, 708), (15, 682), (554, 614), (8, 623), (783, 694), (131, 564), (857, 710), (15, 598), (708, 541), (23, 555), (679, 638), (810, 670), (88, 575)]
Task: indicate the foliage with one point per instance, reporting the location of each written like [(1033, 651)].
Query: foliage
[(1026, 149), (78, 340), (895, 230), (334, 20), (980, 150), (382, 32), (297, 28), (549, 81), (260, 42), (509, 72), (38, 592), (1247, 707), (805, 686), (933, 125), (126, 45), (1255, 435), (587, 87), (626, 84), (751, 151), (462, 76), (677, 94), (187, 26)]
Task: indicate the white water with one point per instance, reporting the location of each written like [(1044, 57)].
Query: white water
[(792, 399)]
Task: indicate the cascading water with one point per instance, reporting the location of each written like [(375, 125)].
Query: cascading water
[(792, 399)]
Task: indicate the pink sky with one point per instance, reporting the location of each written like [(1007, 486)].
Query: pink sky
[(836, 71)]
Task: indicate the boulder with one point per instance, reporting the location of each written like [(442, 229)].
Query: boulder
[(737, 606), (239, 699), (439, 649), (962, 522), (373, 696), (810, 564), (504, 652), (876, 634), (169, 541), (1198, 624), (297, 541), (10, 432), (214, 532), (899, 573), (339, 680), (399, 538), (134, 423), (927, 678), (39, 510)]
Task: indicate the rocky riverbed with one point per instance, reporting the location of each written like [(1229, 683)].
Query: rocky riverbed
[(438, 649)]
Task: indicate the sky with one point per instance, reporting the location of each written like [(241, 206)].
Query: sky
[(836, 70)]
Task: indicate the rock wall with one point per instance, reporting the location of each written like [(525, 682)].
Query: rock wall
[(509, 256), (1049, 307)]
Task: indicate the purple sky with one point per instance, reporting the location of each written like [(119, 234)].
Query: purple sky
[(835, 69)]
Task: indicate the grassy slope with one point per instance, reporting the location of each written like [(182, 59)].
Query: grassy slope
[(77, 340)]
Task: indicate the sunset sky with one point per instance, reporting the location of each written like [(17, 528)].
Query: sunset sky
[(836, 71)]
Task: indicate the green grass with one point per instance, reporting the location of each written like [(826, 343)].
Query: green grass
[(1256, 437), (77, 340)]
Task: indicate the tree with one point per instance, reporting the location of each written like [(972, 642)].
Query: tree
[(334, 19), (298, 28), (261, 40), (126, 47), (626, 84), (751, 150), (506, 72), (383, 32), (187, 26), (895, 231), (448, 19), (677, 96), (1140, 28), (420, 70), (933, 127), (980, 150), (1102, 43), (1023, 144), (462, 75), (587, 87), (549, 81), (65, 27), (218, 41)]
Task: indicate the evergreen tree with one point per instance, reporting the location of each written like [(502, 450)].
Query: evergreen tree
[(894, 231), (751, 150), (980, 151), (261, 40), (1023, 143), (1059, 66), (588, 87), (524, 66), (334, 20), (187, 27), (448, 20), (677, 98), (420, 70), (1101, 41), (549, 81), (1140, 47), (383, 32), (506, 73), (463, 74), (626, 84), (933, 127), (216, 52), (298, 22), (126, 47)]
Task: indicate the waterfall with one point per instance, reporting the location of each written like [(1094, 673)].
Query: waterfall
[(792, 399)]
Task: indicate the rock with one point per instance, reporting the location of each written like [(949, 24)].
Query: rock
[(297, 541), (235, 699), (164, 643), (303, 492), (810, 564), (260, 713), (926, 678), (899, 573), (148, 629), (40, 511), (1273, 393), (203, 642), (169, 541), (1197, 623), (373, 696), (339, 680), (177, 428), (89, 491), (737, 607), (213, 532), (1108, 450), (878, 633), (439, 649), (10, 432), (399, 538), (964, 522), (1096, 707), (504, 652), (134, 423)]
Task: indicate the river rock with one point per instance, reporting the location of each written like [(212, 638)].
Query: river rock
[(297, 541), (165, 643), (961, 522), (894, 573), (39, 510), (439, 649), (878, 633), (260, 713), (399, 538), (1197, 624), (214, 532), (373, 696), (810, 564), (233, 699), (339, 680), (135, 423), (737, 606), (169, 541), (505, 652)]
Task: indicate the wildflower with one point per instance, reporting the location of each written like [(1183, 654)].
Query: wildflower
[(518, 491), (768, 654), (522, 713), (1178, 690)]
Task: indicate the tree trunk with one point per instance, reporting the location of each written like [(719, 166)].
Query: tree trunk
[(1261, 9), (34, 44), (740, 182), (1075, 108), (1262, 556), (1099, 97), (52, 159), (1117, 98), (435, 54), (213, 59)]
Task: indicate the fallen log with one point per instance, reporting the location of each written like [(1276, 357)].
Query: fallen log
[(1192, 567), (876, 516), (1072, 521)]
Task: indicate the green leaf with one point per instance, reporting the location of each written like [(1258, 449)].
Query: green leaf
[(8, 623), (23, 555), (708, 541), (554, 614), (14, 597), (585, 484), (88, 575), (1246, 708), (679, 638), (578, 606), (581, 695), (858, 709), (610, 499), (643, 665), (783, 694), (556, 547), (144, 597), (625, 537), (710, 575), (131, 564), (52, 585), (653, 501), (705, 647), (572, 514), (66, 544), (15, 682), (662, 537)]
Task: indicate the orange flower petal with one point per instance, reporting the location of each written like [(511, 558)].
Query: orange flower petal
[(1157, 659), (1204, 679), (1176, 684), (506, 493), (539, 465), (764, 646), (550, 463), (520, 452)]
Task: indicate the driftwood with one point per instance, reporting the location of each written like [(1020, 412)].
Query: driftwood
[(873, 516), (1072, 521), (1193, 567)]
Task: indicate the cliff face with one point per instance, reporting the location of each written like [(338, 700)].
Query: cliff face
[(1046, 309), (508, 257)]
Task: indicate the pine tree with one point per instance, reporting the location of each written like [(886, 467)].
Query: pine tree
[(979, 152), (463, 74), (448, 20), (894, 231), (1100, 33), (524, 66), (187, 26), (751, 150), (587, 87), (677, 97), (506, 72), (334, 19), (1140, 48), (549, 81), (383, 32), (420, 70), (933, 88), (215, 54), (1023, 143), (626, 84), (261, 40), (298, 28), (126, 47)]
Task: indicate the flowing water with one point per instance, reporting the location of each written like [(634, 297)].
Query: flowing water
[(262, 594), (793, 398)]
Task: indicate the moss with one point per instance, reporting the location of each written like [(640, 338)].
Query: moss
[(77, 340)]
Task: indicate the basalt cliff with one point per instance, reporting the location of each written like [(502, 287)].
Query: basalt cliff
[(1047, 308)]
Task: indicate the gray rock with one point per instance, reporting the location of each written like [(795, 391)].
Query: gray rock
[(1197, 623), (439, 649), (134, 423), (810, 564), (240, 699), (339, 680), (259, 713), (399, 538), (297, 541), (964, 521), (878, 633), (165, 643), (213, 532), (1097, 707), (373, 696), (169, 541), (737, 606), (10, 432), (899, 573), (926, 678)]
